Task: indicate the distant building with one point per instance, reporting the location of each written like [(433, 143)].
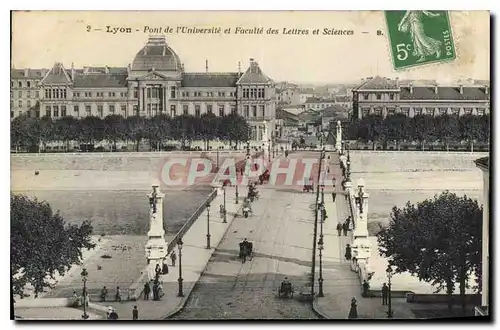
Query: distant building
[(383, 96), (288, 95), (316, 103), (333, 114), (306, 93), (154, 83), (344, 101), (484, 165)]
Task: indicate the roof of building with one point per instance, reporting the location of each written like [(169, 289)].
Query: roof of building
[(483, 162), (27, 73), (156, 54), (210, 79), (95, 80), (57, 75), (443, 93), (343, 98), (377, 83), (254, 75), (315, 99), (335, 110)]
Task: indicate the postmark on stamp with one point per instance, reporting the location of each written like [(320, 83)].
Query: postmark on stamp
[(419, 37)]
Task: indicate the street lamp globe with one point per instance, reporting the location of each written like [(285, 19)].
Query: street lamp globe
[(389, 271), (84, 274), (179, 244)]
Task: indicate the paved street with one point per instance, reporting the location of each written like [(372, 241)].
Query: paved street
[(281, 230)]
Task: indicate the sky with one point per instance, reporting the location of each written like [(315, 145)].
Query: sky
[(41, 38)]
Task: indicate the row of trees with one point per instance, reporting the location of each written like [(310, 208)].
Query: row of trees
[(438, 240), (29, 132), (423, 129)]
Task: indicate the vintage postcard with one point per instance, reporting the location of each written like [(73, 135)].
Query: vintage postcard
[(190, 165)]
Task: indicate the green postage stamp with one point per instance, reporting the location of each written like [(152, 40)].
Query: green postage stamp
[(419, 37)]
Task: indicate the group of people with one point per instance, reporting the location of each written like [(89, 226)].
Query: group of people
[(246, 249), (104, 294), (344, 227)]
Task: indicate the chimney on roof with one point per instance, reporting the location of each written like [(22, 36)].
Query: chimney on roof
[(461, 89), (397, 82), (239, 68), (106, 69), (182, 67), (411, 88), (486, 89), (72, 71), (206, 66), (26, 72), (128, 69), (435, 88)]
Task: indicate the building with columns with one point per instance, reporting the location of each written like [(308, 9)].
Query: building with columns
[(384, 96), (155, 82)]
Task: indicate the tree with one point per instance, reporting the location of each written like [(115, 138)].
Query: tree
[(447, 128), (91, 130), (438, 240), (208, 128), (422, 129), (114, 129), (41, 243), (66, 130), (397, 126), (136, 129), (20, 132), (158, 128), (469, 129)]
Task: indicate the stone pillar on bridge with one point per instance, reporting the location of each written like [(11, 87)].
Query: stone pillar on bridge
[(361, 245), (156, 247), (265, 140), (338, 140)]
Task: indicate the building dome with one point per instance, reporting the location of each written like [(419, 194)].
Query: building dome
[(156, 54)]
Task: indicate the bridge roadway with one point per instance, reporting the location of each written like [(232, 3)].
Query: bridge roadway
[(281, 230)]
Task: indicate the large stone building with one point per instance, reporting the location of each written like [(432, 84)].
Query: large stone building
[(383, 96), (154, 83)]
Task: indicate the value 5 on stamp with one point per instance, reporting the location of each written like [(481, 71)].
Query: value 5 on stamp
[(419, 37)]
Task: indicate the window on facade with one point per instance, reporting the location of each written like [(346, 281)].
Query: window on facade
[(76, 95), (185, 94), (455, 111), (378, 111), (100, 111), (185, 109), (20, 93), (173, 92), (135, 109), (443, 111), (424, 111), (20, 84), (222, 94), (55, 110), (197, 110), (391, 111), (379, 96), (197, 94), (245, 93), (254, 110), (366, 111), (20, 112), (262, 110), (124, 110), (262, 93), (209, 108), (20, 104), (221, 110), (122, 94), (233, 109), (173, 110), (28, 103), (76, 110), (232, 94), (88, 110), (112, 109), (28, 84), (28, 94), (480, 111), (417, 111), (365, 96), (148, 93), (246, 111), (135, 92), (391, 96), (37, 94), (64, 95), (63, 111), (468, 111)]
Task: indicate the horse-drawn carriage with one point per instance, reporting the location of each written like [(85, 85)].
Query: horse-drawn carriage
[(308, 185), (246, 251)]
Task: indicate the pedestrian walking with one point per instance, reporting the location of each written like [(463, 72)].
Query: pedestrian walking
[(104, 294), (334, 196), (366, 289), (344, 228), (339, 228), (118, 296), (147, 291), (113, 315), (353, 312), (348, 222), (173, 258), (135, 313), (348, 254), (385, 294), (164, 269), (157, 269)]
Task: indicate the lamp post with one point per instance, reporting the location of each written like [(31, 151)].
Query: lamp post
[(217, 168), (224, 220), (320, 247), (179, 280), (208, 226), (389, 276), (248, 149), (84, 275), (236, 193), (315, 232)]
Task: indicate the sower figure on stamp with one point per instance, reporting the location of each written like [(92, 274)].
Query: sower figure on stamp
[(385, 293)]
